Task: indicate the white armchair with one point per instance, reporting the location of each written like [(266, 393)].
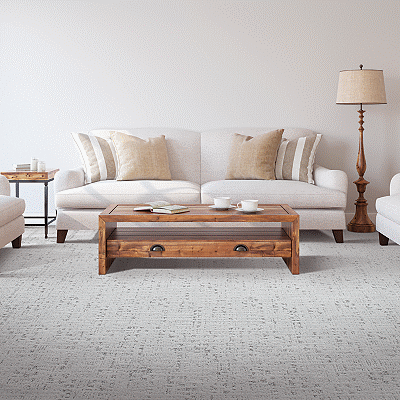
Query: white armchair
[(388, 214), (12, 224)]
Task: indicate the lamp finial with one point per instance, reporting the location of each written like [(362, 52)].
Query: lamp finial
[(361, 66)]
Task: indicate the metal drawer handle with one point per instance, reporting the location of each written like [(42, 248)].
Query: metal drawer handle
[(157, 247), (241, 247)]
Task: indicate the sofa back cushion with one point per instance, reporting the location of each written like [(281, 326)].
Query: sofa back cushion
[(216, 146), (183, 148)]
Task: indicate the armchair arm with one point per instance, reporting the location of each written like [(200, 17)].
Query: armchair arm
[(331, 178), (69, 179), (395, 185), (4, 186)]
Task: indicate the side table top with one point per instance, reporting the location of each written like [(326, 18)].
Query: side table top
[(30, 175)]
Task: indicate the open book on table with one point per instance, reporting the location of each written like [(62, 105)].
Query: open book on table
[(162, 207)]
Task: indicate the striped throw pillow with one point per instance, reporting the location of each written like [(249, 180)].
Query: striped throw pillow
[(295, 159), (98, 156)]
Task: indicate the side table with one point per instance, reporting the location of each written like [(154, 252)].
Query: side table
[(35, 177)]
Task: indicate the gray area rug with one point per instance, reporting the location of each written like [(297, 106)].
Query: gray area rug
[(200, 329)]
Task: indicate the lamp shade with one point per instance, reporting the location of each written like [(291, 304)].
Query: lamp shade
[(363, 86)]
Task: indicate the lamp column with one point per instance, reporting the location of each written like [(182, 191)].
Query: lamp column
[(361, 221)]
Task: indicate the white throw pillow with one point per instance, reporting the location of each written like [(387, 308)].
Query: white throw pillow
[(98, 156)]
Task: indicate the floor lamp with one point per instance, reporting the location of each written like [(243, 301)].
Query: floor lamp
[(363, 86)]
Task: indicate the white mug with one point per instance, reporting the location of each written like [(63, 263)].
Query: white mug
[(41, 167), (222, 202), (34, 164), (248, 205)]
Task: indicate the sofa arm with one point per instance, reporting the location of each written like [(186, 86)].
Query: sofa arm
[(4, 186), (330, 178), (395, 185), (69, 179)]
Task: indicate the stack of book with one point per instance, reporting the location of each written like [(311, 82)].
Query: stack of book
[(22, 167), (162, 207)]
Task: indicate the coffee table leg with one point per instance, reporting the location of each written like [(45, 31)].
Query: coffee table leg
[(292, 230), (105, 230)]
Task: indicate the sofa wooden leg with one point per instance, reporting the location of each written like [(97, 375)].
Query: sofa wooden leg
[(383, 240), (16, 243), (338, 235), (61, 235)]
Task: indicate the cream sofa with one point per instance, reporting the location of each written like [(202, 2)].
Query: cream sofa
[(198, 162), (388, 214), (12, 224)]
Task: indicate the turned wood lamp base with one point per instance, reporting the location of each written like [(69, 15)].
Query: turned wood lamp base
[(361, 222)]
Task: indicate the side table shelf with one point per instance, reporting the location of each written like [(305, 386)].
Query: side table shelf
[(35, 177)]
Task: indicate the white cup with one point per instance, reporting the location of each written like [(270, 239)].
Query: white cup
[(34, 164), (41, 167), (248, 205), (222, 202)]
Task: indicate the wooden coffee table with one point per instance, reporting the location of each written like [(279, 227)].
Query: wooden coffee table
[(169, 241)]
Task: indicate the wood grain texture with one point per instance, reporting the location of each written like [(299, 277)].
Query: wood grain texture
[(192, 241), (30, 175)]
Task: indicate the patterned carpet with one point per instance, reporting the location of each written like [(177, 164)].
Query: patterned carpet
[(200, 329)]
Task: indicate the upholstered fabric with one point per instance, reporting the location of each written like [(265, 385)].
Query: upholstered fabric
[(103, 193), (388, 228), (295, 159), (98, 156), (331, 178), (253, 158), (216, 146), (395, 185), (12, 224), (389, 207), (69, 179), (4, 186), (11, 230), (78, 205), (10, 208), (183, 147), (388, 212), (141, 159), (296, 194)]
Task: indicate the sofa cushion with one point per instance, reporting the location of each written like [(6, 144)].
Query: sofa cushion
[(215, 148), (295, 193), (98, 156), (295, 159), (389, 207), (10, 208), (103, 193), (253, 157), (141, 159)]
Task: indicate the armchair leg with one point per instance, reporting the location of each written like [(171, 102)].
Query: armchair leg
[(338, 235), (61, 235), (383, 240), (16, 243)]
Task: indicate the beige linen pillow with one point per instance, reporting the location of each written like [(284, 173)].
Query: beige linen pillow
[(140, 159), (295, 160), (254, 158), (98, 156)]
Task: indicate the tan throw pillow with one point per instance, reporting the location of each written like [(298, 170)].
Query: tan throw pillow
[(295, 160), (140, 159), (98, 156), (254, 158)]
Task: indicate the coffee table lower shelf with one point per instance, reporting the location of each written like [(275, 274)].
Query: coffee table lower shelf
[(197, 242)]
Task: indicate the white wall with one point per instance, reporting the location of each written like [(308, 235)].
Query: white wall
[(78, 65)]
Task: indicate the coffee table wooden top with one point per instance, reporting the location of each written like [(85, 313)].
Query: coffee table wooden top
[(200, 213)]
